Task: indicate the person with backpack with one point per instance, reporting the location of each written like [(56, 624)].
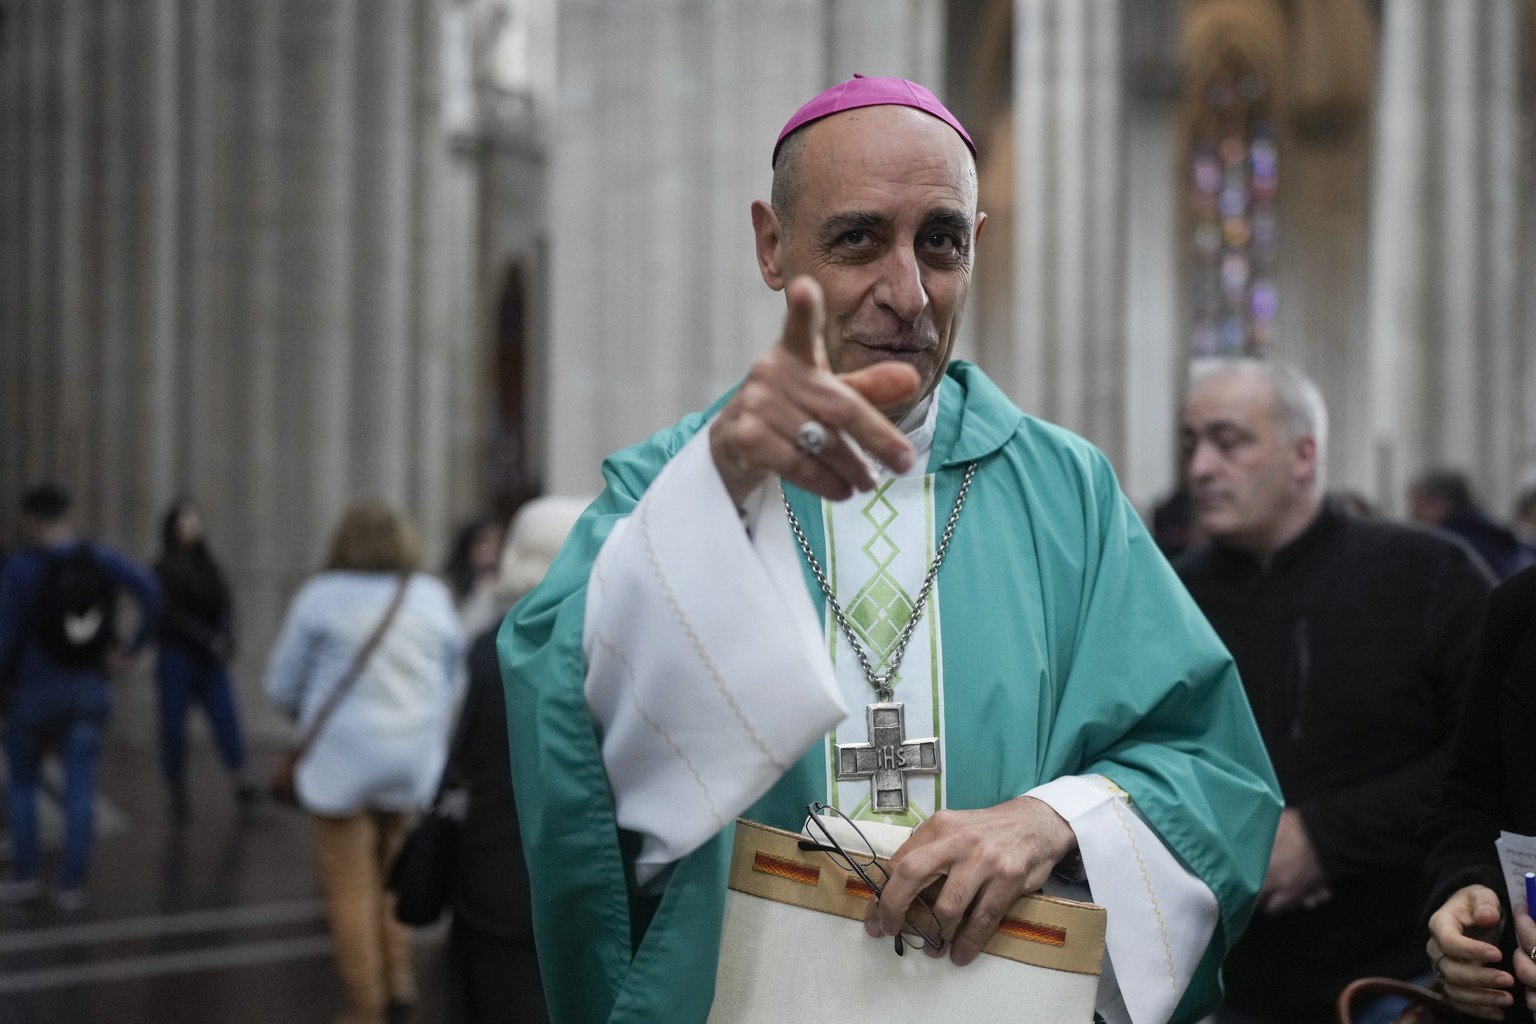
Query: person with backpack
[(60, 643)]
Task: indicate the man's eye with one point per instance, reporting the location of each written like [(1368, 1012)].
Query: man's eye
[(943, 246), (856, 237), (1226, 444)]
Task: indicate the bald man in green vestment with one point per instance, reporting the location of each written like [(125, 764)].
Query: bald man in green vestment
[(682, 664)]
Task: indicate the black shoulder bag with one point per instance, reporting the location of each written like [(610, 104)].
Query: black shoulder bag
[(422, 874)]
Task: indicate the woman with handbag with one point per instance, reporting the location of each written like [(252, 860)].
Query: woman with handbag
[(366, 662)]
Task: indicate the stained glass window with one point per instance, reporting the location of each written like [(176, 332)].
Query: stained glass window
[(1233, 183)]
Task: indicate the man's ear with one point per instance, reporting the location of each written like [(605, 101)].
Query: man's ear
[(1305, 450), (981, 222), (765, 225)]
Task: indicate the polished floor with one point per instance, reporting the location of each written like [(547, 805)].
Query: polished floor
[(216, 921)]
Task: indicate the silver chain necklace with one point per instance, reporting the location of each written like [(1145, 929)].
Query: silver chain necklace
[(889, 756), (881, 683)]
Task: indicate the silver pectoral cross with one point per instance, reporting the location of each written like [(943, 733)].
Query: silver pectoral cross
[(888, 758)]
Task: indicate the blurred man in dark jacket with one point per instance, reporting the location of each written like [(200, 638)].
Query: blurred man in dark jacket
[(1353, 637), (1443, 498)]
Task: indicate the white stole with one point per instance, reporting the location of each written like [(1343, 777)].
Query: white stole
[(879, 548)]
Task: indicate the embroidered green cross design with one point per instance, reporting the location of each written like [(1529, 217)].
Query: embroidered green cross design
[(882, 606)]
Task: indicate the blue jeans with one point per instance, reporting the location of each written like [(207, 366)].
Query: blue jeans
[(185, 676), (78, 738)]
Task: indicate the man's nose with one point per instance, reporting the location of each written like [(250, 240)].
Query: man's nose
[(1201, 462), (900, 288)]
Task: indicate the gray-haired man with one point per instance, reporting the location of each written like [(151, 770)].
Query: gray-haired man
[(1352, 637)]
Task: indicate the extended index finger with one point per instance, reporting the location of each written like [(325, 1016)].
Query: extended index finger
[(882, 384), (805, 323)]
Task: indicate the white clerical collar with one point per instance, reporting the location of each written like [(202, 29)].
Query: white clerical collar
[(919, 425)]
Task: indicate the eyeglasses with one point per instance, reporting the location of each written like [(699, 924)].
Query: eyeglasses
[(922, 927)]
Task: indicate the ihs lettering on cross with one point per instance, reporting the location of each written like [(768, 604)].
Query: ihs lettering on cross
[(888, 758)]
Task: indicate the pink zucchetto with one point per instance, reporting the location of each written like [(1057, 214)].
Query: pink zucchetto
[(859, 91)]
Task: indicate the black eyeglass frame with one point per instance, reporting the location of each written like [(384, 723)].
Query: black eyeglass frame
[(835, 850)]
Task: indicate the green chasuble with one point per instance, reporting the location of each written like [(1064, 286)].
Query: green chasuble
[(1069, 648)]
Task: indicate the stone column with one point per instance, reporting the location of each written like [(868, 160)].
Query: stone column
[(236, 260), (443, 411), (62, 429), (35, 35), (1523, 365), (1397, 243), (1068, 340), (1154, 355), (1508, 213), (13, 354), (130, 219), (1321, 73), (269, 565), (225, 368), (165, 308), (1446, 332), (383, 156)]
